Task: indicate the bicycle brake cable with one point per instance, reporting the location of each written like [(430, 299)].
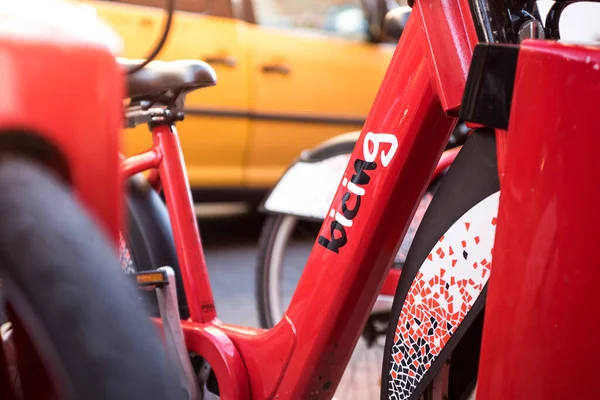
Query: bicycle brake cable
[(169, 8)]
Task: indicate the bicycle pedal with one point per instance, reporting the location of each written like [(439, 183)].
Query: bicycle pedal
[(148, 280), (171, 321)]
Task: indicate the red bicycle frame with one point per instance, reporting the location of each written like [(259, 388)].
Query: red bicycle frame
[(536, 322), (402, 140), (393, 276)]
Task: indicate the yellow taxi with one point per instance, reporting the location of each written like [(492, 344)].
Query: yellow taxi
[(291, 74)]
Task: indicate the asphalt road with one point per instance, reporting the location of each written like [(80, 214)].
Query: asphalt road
[(230, 248)]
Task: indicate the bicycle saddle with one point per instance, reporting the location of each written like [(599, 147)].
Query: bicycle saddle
[(395, 22), (160, 78)]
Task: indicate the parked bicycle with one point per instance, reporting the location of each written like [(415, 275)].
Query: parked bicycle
[(294, 217), (535, 343)]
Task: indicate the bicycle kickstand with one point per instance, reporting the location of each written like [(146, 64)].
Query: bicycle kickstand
[(163, 281)]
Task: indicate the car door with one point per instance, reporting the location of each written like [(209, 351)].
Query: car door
[(215, 130), (313, 75)]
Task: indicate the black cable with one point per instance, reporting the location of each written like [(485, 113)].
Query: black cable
[(169, 8)]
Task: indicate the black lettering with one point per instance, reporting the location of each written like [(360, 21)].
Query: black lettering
[(361, 177), (335, 243), (350, 213)]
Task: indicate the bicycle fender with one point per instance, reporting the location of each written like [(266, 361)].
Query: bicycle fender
[(441, 294), (445, 289), (308, 186)]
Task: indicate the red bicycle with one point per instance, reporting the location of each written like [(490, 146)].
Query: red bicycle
[(535, 343), (437, 314), (295, 210), (435, 331)]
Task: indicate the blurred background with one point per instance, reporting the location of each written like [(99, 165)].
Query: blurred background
[(291, 73)]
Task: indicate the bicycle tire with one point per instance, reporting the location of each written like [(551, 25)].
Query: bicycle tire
[(63, 279)]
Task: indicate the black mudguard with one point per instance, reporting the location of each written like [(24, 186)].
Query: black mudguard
[(472, 178)]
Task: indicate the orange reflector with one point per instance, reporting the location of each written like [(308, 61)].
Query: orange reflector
[(151, 278)]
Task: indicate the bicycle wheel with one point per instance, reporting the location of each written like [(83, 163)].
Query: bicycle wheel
[(284, 247), (73, 327), (432, 343), (287, 236)]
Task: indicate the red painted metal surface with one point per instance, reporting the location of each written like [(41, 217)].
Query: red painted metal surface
[(474, 125), (256, 345), (306, 353), (154, 179), (142, 162), (541, 325), (327, 317), (50, 89), (391, 282), (266, 354), (183, 221), (446, 160), (166, 155), (222, 355), (501, 138), (451, 37), (393, 276), (42, 95), (212, 341)]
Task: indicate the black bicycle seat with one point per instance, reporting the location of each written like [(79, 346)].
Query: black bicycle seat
[(395, 22), (159, 78)]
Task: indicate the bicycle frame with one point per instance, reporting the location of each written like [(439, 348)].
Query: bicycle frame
[(402, 140), (305, 355), (393, 276)]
